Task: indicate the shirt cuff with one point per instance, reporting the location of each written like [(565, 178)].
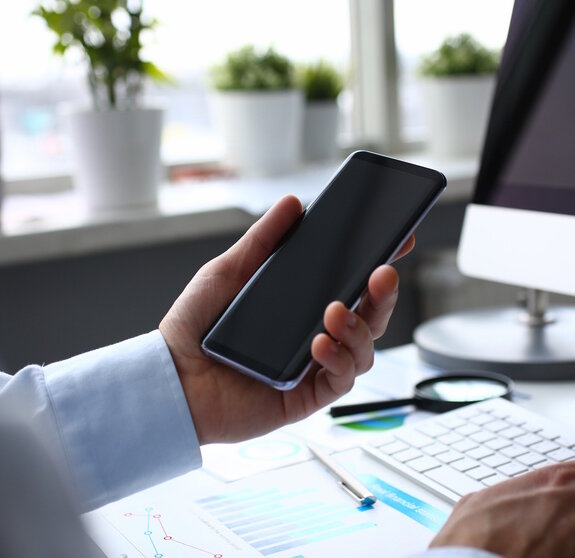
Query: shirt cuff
[(123, 418)]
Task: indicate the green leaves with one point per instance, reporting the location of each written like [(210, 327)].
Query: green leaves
[(249, 69), (108, 32), (460, 55), (320, 81)]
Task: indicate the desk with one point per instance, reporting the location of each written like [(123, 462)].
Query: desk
[(275, 476)]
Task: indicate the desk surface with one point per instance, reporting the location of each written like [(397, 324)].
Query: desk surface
[(261, 486)]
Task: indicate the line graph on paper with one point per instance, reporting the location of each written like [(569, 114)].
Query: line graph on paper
[(156, 531), (183, 532)]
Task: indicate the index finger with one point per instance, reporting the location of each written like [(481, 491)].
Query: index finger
[(407, 247)]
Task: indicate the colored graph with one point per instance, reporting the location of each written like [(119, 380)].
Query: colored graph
[(293, 512), (156, 531), (277, 520), (150, 527), (376, 423)]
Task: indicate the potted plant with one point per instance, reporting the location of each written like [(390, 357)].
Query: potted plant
[(321, 83), (258, 109), (458, 80), (115, 142)]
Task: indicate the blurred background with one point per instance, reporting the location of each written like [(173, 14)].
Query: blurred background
[(56, 302)]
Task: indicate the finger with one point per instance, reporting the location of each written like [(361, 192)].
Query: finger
[(407, 247), (377, 304), (248, 253), (352, 333), (337, 373)]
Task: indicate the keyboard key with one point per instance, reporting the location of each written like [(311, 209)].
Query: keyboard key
[(496, 460), (565, 441), (394, 447), (544, 463), (493, 479), (479, 452), (516, 420), (498, 443), (414, 438), (531, 458), (450, 438), (513, 451), (452, 421), (480, 473), (512, 469), (467, 429), (435, 449), (548, 434), (466, 413), (561, 454), (497, 426), (422, 464), (407, 455), (465, 464), (528, 439), (532, 427), (500, 413), (544, 447), (483, 436), (481, 419), (455, 481), (450, 456), (465, 445), (432, 429), (512, 432)]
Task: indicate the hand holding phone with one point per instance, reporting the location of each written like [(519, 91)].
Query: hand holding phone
[(359, 221)]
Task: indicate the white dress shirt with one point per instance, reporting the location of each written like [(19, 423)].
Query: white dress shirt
[(108, 423), (117, 417)]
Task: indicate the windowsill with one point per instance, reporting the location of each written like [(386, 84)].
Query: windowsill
[(38, 227)]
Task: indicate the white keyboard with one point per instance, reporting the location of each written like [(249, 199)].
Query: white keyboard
[(478, 445)]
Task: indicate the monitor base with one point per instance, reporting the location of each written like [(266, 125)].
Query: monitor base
[(498, 340)]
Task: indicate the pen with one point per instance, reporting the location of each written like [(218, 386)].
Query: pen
[(358, 408), (349, 483)]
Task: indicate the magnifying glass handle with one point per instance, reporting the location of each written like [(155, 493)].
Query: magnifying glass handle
[(346, 410)]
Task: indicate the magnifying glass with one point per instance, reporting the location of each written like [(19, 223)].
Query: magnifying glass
[(440, 394)]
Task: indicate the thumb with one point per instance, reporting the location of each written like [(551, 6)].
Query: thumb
[(241, 260)]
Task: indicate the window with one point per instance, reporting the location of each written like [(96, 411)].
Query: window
[(379, 41), (191, 37), (421, 26)]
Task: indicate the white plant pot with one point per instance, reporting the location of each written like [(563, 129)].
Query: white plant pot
[(261, 130), (116, 154), (457, 110), (321, 119)]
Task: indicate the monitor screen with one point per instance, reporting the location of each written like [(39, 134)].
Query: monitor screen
[(535, 168), (520, 225)]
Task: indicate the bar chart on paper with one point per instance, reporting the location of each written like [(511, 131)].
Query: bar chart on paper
[(301, 512), (276, 522), (292, 512)]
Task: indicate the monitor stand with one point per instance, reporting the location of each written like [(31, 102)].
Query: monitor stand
[(531, 344)]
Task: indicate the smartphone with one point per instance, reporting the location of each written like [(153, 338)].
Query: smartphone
[(359, 221)]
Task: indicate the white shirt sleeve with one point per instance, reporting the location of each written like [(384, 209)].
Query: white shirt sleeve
[(116, 417)]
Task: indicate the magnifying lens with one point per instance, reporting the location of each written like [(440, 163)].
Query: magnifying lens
[(440, 394)]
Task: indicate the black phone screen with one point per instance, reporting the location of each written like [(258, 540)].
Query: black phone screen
[(359, 221)]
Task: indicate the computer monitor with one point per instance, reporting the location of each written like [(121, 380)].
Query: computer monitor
[(520, 227)]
